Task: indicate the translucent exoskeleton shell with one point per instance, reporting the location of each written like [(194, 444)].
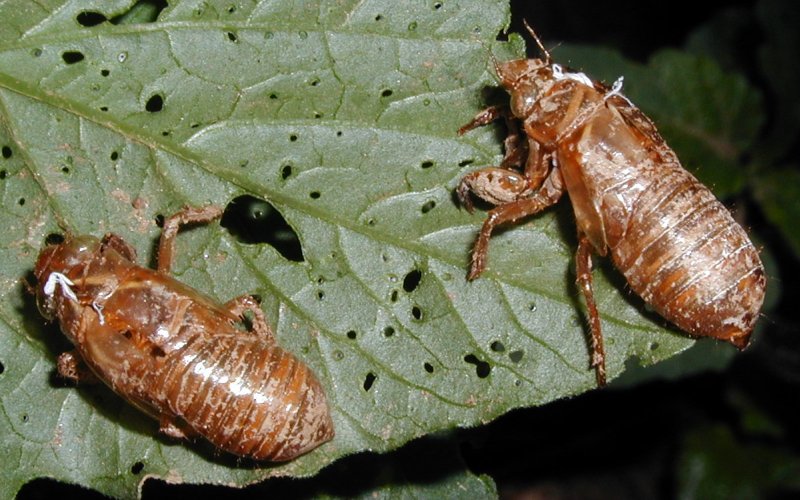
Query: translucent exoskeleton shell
[(177, 354), (677, 245)]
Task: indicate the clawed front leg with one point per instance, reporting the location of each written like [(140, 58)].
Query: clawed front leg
[(508, 212), (515, 150), (189, 215), (485, 117), (494, 185), (71, 366), (241, 305)]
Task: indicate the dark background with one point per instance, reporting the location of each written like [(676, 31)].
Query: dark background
[(741, 422)]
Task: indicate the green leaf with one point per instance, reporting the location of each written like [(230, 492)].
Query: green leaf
[(715, 464), (342, 115), (710, 118), (778, 59), (777, 192)]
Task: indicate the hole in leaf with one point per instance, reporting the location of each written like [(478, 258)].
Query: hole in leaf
[(253, 220), (437, 5), (72, 56), (378, 17), (293, 138), (394, 296), (143, 11), (515, 356), (314, 82), (411, 281), (54, 239), (497, 346), (369, 380), (532, 307), (388, 331), (428, 206), (104, 72), (320, 295), (286, 172), (386, 93), (482, 368), (3, 174), (21, 201), (426, 164), (464, 163), (6, 152), (137, 468), (231, 36), (103, 108), (416, 313), (90, 18), (24, 417), (351, 335), (2, 367), (314, 195), (114, 156), (428, 367), (654, 346), (36, 52), (65, 170), (338, 133), (154, 104), (231, 9)]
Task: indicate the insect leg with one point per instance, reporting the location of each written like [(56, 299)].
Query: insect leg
[(549, 194), (515, 149), (497, 186), (111, 240), (70, 366), (485, 117), (189, 215), (537, 165), (583, 265), (169, 426), (241, 305)]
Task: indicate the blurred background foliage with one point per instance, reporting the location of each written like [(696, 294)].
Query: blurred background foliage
[(690, 431)]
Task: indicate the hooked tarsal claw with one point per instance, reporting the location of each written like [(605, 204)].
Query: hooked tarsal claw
[(463, 192)]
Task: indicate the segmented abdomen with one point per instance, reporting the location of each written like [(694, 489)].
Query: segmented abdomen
[(686, 256), (245, 396)]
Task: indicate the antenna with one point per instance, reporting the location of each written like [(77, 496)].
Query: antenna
[(547, 58)]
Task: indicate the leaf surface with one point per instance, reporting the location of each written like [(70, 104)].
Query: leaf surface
[(342, 115)]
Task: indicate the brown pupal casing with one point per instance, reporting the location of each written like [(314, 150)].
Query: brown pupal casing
[(177, 354), (677, 245)]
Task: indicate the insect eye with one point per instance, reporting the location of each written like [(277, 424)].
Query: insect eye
[(522, 102), (46, 305)]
